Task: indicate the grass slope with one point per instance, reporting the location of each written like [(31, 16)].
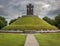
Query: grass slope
[(12, 40), (48, 39), (29, 23)]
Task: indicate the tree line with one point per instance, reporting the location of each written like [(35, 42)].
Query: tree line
[(55, 21)]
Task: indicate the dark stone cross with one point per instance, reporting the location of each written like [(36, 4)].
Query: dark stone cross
[(30, 9)]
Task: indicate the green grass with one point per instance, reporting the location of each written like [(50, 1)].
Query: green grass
[(12, 40), (29, 23), (48, 39)]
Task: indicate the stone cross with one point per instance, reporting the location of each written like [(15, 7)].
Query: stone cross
[(30, 9)]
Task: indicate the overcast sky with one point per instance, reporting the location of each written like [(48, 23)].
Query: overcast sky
[(11, 9)]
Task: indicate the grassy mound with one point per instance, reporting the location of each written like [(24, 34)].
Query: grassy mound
[(29, 23)]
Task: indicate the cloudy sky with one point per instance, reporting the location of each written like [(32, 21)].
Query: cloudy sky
[(11, 9)]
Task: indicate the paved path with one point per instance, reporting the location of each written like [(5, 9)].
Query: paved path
[(31, 41)]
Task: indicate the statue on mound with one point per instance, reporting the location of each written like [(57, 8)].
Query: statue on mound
[(30, 9)]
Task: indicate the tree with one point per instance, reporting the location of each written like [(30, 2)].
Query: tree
[(57, 19), (58, 26), (3, 22), (50, 21), (13, 20)]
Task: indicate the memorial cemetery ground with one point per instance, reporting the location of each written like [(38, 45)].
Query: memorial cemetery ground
[(12, 39), (48, 39)]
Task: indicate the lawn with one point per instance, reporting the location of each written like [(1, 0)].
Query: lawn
[(48, 39), (12, 40)]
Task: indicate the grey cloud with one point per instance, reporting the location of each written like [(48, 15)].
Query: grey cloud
[(15, 8), (55, 12)]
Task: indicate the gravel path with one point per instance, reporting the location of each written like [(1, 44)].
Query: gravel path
[(31, 41)]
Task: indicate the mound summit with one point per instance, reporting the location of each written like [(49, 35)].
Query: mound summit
[(30, 23)]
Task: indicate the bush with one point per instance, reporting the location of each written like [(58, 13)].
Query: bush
[(3, 22)]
